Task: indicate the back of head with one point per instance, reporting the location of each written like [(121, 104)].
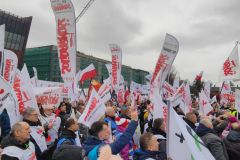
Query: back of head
[(128, 111), (207, 123), (69, 122), (79, 107), (235, 126), (96, 128), (189, 116), (158, 122), (16, 127), (194, 111), (145, 140), (27, 112)]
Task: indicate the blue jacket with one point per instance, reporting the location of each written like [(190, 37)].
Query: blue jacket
[(91, 142), (113, 124), (5, 123), (144, 154), (203, 130)]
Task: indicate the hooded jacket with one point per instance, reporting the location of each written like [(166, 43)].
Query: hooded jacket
[(232, 140), (67, 149), (214, 144), (161, 138), (113, 124), (91, 142), (13, 149), (140, 154)]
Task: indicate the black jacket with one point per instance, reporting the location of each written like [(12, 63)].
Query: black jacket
[(219, 127), (67, 150), (9, 140), (140, 154), (161, 138), (125, 116), (37, 148), (191, 124), (68, 107), (61, 115), (232, 141)]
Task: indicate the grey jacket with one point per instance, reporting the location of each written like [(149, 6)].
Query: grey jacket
[(82, 128), (218, 128), (215, 146)]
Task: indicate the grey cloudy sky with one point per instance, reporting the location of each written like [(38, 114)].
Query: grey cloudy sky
[(206, 30)]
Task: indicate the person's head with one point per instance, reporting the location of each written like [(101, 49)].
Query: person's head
[(235, 126), (128, 111), (113, 100), (179, 110), (194, 111), (148, 142), (207, 123), (30, 114), (115, 108), (139, 103), (128, 103), (48, 110), (232, 107), (110, 111), (148, 108), (40, 107), (21, 131), (191, 117), (63, 108), (228, 114), (159, 124), (123, 122), (72, 124), (225, 105), (81, 101), (65, 100), (80, 108), (100, 129)]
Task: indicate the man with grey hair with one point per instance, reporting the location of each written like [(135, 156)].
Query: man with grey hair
[(16, 145), (37, 136), (48, 119), (110, 117), (214, 144)]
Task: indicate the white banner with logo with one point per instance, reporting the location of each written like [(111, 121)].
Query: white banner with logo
[(94, 110), (116, 52), (237, 99), (104, 92), (21, 97), (34, 79), (66, 38), (204, 105), (207, 88), (168, 90), (121, 91), (48, 96), (5, 89), (10, 62)]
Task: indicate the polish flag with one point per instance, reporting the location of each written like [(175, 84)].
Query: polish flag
[(126, 94), (88, 73), (199, 77)]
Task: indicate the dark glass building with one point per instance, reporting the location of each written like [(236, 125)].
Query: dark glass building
[(16, 33)]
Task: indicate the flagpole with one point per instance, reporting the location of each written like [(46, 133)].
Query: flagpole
[(168, 122)]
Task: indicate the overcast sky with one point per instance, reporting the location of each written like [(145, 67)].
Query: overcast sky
[(206, 30)]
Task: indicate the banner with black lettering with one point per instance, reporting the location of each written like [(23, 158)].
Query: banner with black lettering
[(166, 58), (94, 110), (10, 62), (66, 38), (116, 52)]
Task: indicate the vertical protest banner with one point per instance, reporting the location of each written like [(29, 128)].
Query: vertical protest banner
[(237, 99), (166, 58), (10, 62), (66, 38), (2, 37), (116, 53), (5, 89)]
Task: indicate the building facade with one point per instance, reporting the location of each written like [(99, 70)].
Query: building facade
[(45, 60), (16, 33)]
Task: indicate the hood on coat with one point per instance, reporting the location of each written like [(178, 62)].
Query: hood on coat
[(9, 140), (144, 154), (203, 130), (234, 136), (90, 143)]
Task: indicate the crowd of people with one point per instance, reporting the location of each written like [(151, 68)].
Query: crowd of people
[(50, 137)]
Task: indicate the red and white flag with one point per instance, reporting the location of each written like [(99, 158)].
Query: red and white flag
[(116, 52), (66, 38), (156, 85), (230, 69), (199, 77), (21, 97), (207, 88), (10, 62), (178, 96), (75, 83), (5, 89), (168, 90), (187, 98), (204, 105), (88, 73), (94, 110), (166, 58), (127, 94)]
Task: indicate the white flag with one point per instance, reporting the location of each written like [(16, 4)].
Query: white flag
[(34, 79), (204, 105), (94, 110), (237, 99), (104, 92), (116, 52), (184, 143), (207, 88), (82, 96), (156, 84), (226, 89), (10, 62), (230, 69), (66, 38), (167, 56), (149, 77), (168, 90), (187, 98), (176, 82), (75, 83), (5, 89), (48, 96), (121, 91)]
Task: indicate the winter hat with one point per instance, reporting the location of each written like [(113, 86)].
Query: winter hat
[(123, 122), (232, 119)]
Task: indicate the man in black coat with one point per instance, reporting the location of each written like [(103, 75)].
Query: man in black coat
[(191, 119), (158, 130), (67, 147), (232, 140), (68, 105)]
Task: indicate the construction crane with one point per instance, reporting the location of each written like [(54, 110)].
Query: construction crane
[(84, 10)]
